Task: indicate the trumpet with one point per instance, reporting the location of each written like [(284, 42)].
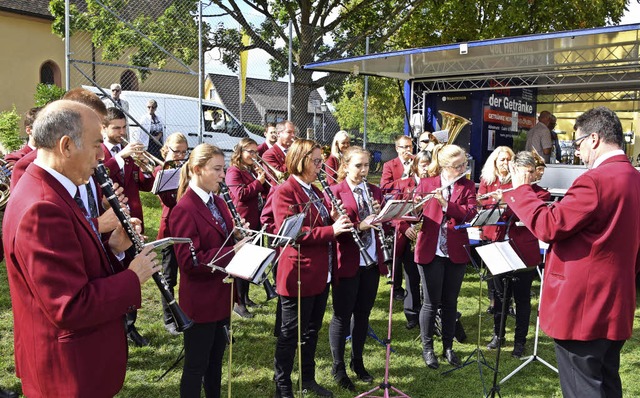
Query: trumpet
[(274, 176), (146, 161)]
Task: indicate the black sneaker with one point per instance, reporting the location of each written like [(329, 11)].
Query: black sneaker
[(314, 387), (361, 373), (344, 381), (399, 295), (495, 341), (430, 358), (518, 350)]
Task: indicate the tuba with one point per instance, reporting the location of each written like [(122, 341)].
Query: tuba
[(5, 183), (453, 124)]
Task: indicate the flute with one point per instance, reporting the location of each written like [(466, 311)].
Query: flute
[(368, 261), (489, 194), (102, 176)]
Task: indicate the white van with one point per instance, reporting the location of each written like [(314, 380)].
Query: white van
[(180, 114)]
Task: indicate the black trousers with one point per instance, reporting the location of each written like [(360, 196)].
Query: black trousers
[(441, 282), (311, 313), (170, 272), (204, 345), (520, 289), (353, 299), (243, 290), (412, 301), (589, 368)]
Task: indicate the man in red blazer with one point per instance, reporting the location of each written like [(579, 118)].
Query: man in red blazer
[(29, 118), (69, 293), (124, 171), (271, 136), (276, 155), (589, 292), (398, 167)]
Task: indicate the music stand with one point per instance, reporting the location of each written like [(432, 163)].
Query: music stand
[(502, 260), (399, 211), (534, 356)]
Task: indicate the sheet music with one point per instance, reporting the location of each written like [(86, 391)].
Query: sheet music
[(166, 180), (487, 217), (250, 262), (393, 209), (290, 228), (500, 257)]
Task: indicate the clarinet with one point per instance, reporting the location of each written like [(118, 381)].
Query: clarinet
[(182, 321), (368, 261), (384, 245), (224, 191)]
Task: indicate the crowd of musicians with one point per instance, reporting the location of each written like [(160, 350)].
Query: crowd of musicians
[(75, 278)]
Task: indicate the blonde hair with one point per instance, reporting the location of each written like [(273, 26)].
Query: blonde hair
[(348, 154), (489, 171), (443, 156), (298, 155), (236, 157), (340, 136), (199, 157), (173, 139)]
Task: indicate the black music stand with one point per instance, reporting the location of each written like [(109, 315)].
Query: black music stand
[(503, 261), (534, 356), (398, 212)]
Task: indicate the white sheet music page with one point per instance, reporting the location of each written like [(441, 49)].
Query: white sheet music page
[(500, 257)]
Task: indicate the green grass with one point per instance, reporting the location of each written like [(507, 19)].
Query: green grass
[(254, 345)]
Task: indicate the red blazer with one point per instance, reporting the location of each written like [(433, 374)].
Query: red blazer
[(348, 262), (203, 295), (403, 189), (68, 305), (21, 166), (589, 289), (17, 155), (245, 193), (168, 201), (461, 209), (313, 251), (275, 157), (391, 171), (262, 148), (331, 169), (133, 182)]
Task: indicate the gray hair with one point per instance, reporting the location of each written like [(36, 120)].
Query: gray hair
[(524, 159), (116, 86), (53, 123)]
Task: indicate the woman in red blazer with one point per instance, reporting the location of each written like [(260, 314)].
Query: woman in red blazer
[(528, 248), (341, 142), (174, 151), (355, 286), (204, 218), (406, 234), (310, 262), (440, 252), (248, 191)]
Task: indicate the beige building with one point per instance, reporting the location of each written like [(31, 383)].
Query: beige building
[(32, 54)]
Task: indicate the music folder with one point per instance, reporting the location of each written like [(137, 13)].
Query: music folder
[(289, 230), (166, 180), (500, 257), (250, 262), (487, 217)]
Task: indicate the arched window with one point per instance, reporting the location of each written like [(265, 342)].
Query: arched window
[(129, 80), (50, 73)]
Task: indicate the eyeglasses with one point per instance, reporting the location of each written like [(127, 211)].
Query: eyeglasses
[(178, 152), (576, 143), (151, 107), (461, 166), (251, 152), (406, 147), (317, 162), (424, 141), (116, 90)]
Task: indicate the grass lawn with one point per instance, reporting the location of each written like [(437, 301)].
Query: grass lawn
[(252, 370)]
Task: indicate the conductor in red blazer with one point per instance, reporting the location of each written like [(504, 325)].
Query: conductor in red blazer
[(589, 292), (119, 160), (398, 167), (69, 294), (203, 217), (310, 262), (248, 191), (355, 285), (275, 155), (440, 252)]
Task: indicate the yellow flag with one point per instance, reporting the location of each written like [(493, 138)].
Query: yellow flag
[(244, 55)]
